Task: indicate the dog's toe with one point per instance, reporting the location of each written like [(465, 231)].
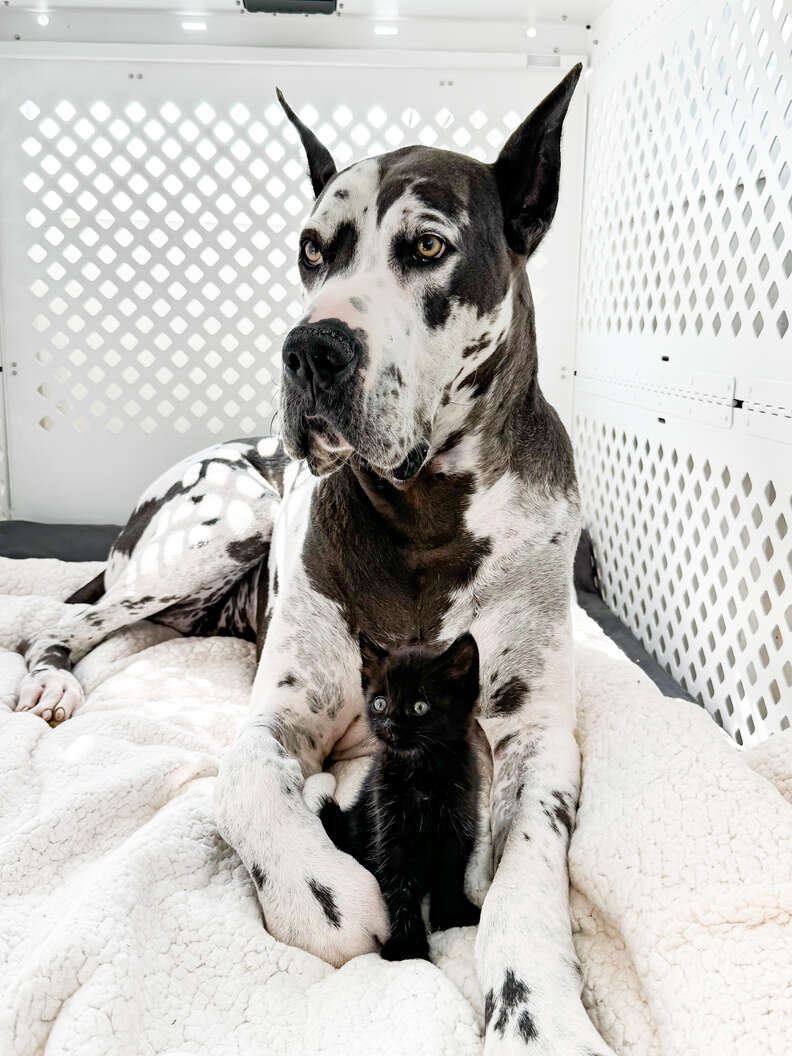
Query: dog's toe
[(53, 695)]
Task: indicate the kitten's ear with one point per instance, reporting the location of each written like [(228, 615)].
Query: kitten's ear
[(371, 654), (461, 659)]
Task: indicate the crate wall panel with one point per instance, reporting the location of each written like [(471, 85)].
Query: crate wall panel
[(683, 395), (151, 213)]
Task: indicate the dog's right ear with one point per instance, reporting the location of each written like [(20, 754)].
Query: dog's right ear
[(321, 166), (371, 655), (528, 167)]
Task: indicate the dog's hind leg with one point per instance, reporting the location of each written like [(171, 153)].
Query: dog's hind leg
[(50, 689), (196, 535)]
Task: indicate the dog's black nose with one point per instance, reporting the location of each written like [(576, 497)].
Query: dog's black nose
[(323, 353)]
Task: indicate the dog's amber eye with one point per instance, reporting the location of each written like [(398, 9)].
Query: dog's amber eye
[(420, 707), (430, 247), (379, 704), (311, 254)]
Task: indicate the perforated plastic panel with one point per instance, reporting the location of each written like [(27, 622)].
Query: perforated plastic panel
[(151, 220), (683, 401)]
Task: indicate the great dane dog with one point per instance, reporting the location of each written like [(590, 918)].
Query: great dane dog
[(423, 488)]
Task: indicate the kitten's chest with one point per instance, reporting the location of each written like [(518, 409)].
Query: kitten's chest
[(420, 805)]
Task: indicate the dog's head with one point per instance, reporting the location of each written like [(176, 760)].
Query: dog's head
[(409, 263)]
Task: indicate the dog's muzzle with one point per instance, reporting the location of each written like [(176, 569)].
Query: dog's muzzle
[(320, 356)]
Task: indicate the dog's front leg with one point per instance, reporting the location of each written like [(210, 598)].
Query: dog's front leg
[(526, 960), (306, 695)]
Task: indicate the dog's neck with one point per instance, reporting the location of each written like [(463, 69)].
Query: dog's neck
[(458, 458)]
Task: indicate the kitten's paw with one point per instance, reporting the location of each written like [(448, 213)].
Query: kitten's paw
[(401, 949), (461, 915), (317, 789)]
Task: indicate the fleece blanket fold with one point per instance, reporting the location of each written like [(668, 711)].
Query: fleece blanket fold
[(127, 926)]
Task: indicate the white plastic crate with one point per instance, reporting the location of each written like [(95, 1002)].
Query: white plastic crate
[(683, 399)]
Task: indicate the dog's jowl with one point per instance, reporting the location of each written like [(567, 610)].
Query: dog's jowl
[(424, 489)]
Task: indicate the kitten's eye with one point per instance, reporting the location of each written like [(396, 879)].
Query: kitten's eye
[(420, 707), (429, 247), (311, 254), (379, 704)]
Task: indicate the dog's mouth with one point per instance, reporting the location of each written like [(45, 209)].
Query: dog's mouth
[(326, 446), (326, 436), (410, 466)]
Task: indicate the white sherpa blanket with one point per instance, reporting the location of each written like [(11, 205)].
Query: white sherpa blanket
[(128, 927)]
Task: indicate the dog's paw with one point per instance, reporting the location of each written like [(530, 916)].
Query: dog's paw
[(402, 949), (317, 789), (311, 894), (331, 908), (53, 694)]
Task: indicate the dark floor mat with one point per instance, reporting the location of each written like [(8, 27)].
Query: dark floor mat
[(67, 542), (92, 542)]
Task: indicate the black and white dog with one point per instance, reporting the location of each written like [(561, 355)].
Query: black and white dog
[(424, 488)]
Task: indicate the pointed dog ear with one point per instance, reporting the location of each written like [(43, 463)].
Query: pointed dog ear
[(528, 166), (371, 654), (321, 166)]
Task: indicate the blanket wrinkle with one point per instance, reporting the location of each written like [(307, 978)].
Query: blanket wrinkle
[(127, 926)]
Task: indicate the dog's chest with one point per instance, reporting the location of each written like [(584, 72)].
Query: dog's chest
[(393, 572)]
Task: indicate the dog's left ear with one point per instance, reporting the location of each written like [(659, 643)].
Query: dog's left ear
[(528, 167), (321, 166)]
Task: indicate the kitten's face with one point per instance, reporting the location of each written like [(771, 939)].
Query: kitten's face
[(418, 700)]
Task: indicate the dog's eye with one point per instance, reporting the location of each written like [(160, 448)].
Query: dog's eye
[(379, 704), (429, 247), (311, 254), (420, 707)]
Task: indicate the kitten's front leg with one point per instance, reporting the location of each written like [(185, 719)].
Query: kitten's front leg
[(449, 906), (408, 933)]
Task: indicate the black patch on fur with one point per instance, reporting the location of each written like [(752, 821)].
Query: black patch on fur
[(551, 818), (210, 522), (513, 992), (481, 378), (340, 250), (562, 812), (489, 1006), (246, 551), (450, 442), (341, 193), (259, 876), (476, 346), (555, 539), (326, 899), (526, 1026), (288, 680), (392, 371), (504, 741), (197, 498), (132, 532), (88, 594), (358, 304), (436, 306), (55, 656), (509, 697)]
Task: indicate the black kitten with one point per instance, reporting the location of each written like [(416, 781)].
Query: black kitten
[(413, 824)]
